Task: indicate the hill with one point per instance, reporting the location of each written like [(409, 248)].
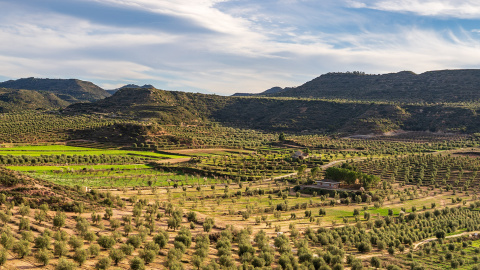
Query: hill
[(71, 90), (281, 114), (271, 91), (166, 106), (431, 87), (147, 86), (12, 100)]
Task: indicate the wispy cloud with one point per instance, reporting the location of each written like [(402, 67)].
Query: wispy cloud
[(220, 46), (469, 9)]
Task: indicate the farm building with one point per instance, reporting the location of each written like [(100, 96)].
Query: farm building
[(299, 155), (328, 183)]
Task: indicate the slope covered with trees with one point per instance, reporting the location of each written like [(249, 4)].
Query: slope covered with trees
[(12, 100), (405, 86), (282, 114)]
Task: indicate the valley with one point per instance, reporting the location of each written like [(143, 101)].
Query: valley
[(155, 179)]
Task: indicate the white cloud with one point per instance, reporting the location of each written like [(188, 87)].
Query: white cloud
[(445, 8), (16, 67), (246, 50)]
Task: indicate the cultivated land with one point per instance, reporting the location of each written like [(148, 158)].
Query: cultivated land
[(89, 187)]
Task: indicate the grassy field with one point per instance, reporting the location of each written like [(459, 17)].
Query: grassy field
[(73, 150)]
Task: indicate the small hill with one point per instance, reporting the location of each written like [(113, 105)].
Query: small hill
[(271, 91), (444, 86), (12, 100), (71, 90), (167, 106), (21, 188), (147, 86)]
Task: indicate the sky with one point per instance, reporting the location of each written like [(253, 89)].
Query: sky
[(229, 46)]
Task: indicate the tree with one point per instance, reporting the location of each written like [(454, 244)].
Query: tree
[(148, 255), (375, 262), (24, 210), (137, 264), (184, 236), (301, 169), (208, 224), (134, 240), (440, 234), (59, 220), (197, 261), (22, 248), (80, 255), (64, 264), (127, 249), (116, 255), (161, 239), (282, 137), (103, 263), (364, 247), (24, 224), (60, 248), (94, 250), (175, 220), (42, 242), (3, 256), (40, 216), (106, 242), (75, 242)]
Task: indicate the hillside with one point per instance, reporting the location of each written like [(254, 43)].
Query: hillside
[(431, 87), (71, 90), (12, 100), (166, 106), (280, 114)]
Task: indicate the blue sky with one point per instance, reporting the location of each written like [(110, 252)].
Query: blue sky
[(228, 46)]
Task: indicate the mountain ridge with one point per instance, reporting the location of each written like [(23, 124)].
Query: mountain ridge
[(71, 90), (448, 86)]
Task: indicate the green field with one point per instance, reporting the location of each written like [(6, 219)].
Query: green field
[(74, 150), (77, 167)]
